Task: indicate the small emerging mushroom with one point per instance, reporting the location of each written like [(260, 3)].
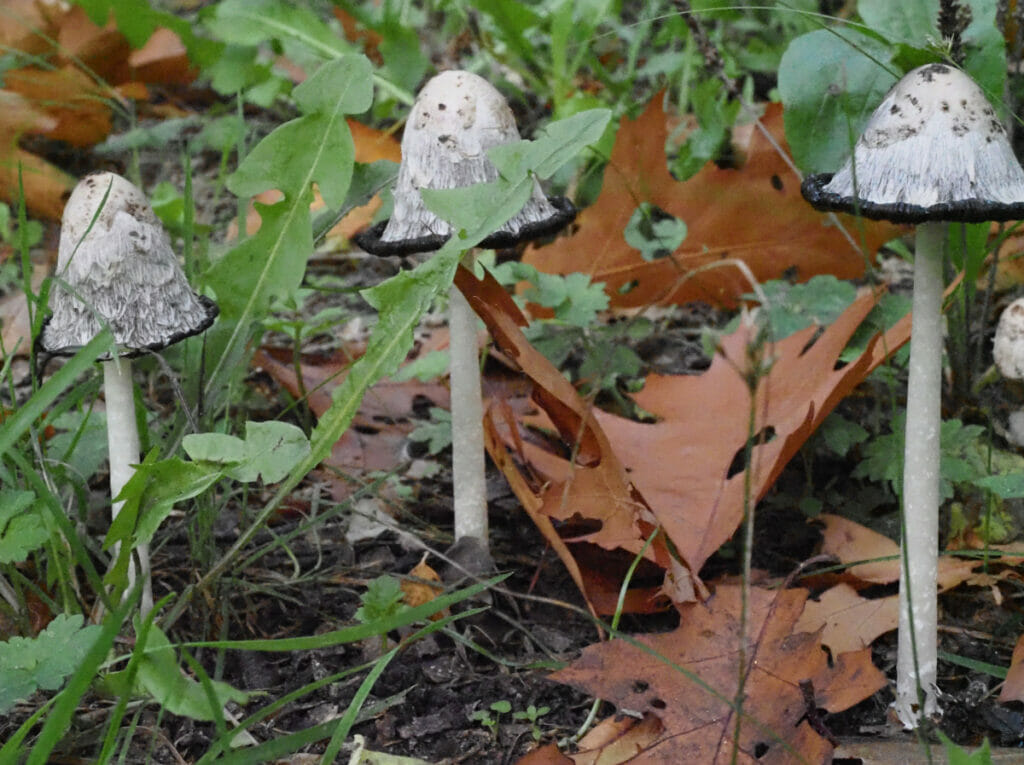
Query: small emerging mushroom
[(1008, 353), (457, 117), (115, 267), (933, 152)]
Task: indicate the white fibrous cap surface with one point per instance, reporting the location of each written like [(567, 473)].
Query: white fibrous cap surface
[(934, 139), (117, 260), (457, 117), (1008, 349)]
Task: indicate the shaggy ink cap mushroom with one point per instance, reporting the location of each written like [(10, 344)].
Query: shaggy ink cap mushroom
[(457, 117), (120, 269), (933, 150)]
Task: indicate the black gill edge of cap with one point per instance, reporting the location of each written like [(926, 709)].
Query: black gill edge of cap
[(212, 311), (965, 211), (370, 239)]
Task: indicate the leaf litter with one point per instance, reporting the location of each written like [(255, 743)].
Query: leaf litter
[(597, 486)]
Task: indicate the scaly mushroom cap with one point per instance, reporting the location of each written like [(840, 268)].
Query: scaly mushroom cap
[(457, 117), (933, 150), (1008, 349), (120, 269)]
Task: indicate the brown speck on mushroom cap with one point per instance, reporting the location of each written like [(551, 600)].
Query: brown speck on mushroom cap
[(117, 260), (932, 150), (457, 117)]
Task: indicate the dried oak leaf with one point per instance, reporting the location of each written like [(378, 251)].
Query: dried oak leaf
[(848, 620), (688, 465), (688, 678), (591, 498), (754, 213), (850, 542)]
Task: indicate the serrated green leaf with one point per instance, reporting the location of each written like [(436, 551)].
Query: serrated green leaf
[(316, 147), (382, 600), (43, 662), (552, 147)]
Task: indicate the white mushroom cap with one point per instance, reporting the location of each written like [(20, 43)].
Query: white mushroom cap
[(117, 261), (1008, 349), (934, 149), (457, 117)]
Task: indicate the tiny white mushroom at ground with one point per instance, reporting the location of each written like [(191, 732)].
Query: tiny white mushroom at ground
[(120, 271), (457, 117), (1008, 354), (933, 152)]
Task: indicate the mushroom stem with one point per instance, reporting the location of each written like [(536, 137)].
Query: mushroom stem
[(468, 469), (917, 663), (123, 446)]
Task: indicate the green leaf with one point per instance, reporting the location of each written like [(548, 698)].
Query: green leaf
[(272, 449), (909, 21), (437, 433), (382, 600), (1004, 486), (472, 209), (430, 366), (841, 434), (214, 447), (959, 756), (830, 81), (160, 676), (575, 299), (21, 525), (43, 662), (317, 147), (254, 22), (552, 147), (654, 232)]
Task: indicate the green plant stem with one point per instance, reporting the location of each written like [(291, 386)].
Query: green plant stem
[(917, 664)]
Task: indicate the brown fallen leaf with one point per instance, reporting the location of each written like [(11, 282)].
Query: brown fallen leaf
[(685, 464), (754, 213), (423, 586), (1013, 686), (848, 621), (615, 740), (692, 687), (68, 95), (850, 542), (592, 498)]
